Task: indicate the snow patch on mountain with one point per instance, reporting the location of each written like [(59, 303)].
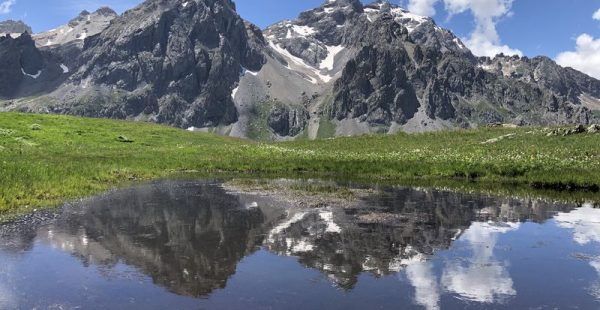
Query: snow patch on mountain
[(328, 63), (34, 76)]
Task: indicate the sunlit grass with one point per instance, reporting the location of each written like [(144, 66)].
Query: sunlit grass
[(45, 160)]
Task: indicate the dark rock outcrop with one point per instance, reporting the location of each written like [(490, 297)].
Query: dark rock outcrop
[(25, 70), (287, 121), (180, 58)]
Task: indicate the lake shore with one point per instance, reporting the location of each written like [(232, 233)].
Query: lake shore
[(46, 160)]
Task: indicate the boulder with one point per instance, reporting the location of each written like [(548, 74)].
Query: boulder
[(594, 129)]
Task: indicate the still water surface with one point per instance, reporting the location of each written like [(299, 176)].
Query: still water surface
[(193, 245)]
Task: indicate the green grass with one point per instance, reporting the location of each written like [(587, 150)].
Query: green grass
[(258, 126), (326, 129), (71, 157)]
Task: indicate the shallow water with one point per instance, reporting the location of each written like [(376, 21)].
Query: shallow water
[(191, 245)]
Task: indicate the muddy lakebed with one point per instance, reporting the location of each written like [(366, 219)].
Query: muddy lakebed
[(209, 245)]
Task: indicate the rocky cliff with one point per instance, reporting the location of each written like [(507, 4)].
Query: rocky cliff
[(25, 70), (172, 62)]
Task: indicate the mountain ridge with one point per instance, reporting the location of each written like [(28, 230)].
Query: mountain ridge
[(345, 66)]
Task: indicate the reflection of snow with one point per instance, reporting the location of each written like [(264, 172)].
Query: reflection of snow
[(332, 227), (427, 292), (316, 223), (408, 257), (285, 225), (585, 223), (299, 246), (482, 279)]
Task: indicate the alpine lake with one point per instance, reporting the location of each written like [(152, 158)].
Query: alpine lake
[(203, 244)]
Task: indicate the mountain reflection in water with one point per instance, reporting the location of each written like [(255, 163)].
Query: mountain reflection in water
[(190, 237)]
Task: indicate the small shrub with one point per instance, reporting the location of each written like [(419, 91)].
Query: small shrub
[(35, 127), (6, 132), (124, 139)]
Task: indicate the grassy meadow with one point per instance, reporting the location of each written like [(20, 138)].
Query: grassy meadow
[(48, 159)]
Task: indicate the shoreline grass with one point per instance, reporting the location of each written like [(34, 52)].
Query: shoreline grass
[(48, 159)]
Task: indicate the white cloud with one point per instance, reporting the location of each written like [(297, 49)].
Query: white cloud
[(597, 15), (6, 6), (585, 223), (585, 58), (481, 278), (484, 40), (422, 7), (427, 291)]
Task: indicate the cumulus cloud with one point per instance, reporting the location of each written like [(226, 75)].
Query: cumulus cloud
[(6, 6), (427, 291), (484, 40), (585, 223), (422, 7), (585, 57), (597, 15), (481, 278)]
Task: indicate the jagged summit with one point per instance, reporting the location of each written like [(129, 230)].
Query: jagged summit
[(353, 4), (106, 11), (173, 62), (86, 24), (14, 28)]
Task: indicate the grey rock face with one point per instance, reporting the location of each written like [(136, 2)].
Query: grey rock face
[(16, 55), (25, 70), (287, 121), (14, 27), (408, 63), (375, 88), (174, 61)]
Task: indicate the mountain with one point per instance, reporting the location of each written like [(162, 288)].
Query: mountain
[(14, 28), (40, 63), (400, 71), (84, 25), (25, 70), (343, 68), (172, 62)]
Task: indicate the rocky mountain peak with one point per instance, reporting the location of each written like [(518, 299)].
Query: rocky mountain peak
[(173, 62), (106, 11), (14, 27), (353, 4), (86, 24)]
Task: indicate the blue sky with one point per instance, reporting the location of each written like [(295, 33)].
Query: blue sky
[(527, 27)]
